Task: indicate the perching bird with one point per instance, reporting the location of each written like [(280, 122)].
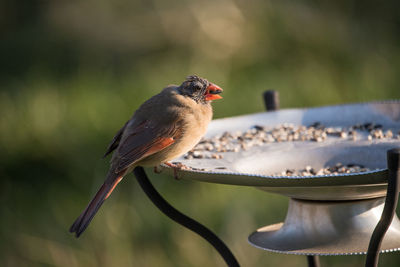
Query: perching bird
[(164, 127)]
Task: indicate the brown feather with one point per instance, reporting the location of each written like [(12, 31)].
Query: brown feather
[(82, 222), (144, 140), (164, 127), (115, 142)]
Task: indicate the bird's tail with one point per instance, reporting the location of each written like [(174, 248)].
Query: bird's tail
[(82, 222)]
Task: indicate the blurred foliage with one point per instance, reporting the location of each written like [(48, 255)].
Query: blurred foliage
[(72, 72)]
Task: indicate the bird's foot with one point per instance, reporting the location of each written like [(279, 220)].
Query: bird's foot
[(176, 166), (156, 170)]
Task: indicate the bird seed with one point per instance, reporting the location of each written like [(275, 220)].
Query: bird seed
[(339, 168), (258, 135)]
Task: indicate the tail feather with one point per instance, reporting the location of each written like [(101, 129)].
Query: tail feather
[(82, 222)]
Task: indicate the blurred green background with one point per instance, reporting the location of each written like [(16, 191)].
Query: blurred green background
[(72, 73)]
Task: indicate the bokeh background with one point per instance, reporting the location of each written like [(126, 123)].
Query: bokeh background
[(72, 73)]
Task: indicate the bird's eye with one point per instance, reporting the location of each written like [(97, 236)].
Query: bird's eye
[(196, 87)]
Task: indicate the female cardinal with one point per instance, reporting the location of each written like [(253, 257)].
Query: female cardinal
[(164, 127)]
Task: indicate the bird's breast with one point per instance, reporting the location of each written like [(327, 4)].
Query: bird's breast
[(193, 129), (193, 126)]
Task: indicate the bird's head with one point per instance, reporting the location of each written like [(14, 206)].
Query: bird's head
[(200, 89)]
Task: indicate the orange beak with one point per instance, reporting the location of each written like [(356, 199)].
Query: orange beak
[(212, 92)]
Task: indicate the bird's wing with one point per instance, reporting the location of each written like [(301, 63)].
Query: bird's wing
[(144, 140), (115, 142), (134, 141)]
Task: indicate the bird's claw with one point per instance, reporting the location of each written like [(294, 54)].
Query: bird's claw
[(176, 166), (156, 170)]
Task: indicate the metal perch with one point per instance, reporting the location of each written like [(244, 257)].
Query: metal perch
[(182, 219)]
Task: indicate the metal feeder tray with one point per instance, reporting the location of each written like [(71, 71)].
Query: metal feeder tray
[(328, 214)]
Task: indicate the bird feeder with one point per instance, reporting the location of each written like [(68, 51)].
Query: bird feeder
[(329, 213)]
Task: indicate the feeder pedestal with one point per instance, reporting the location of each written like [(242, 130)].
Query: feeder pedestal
[(327, 228)]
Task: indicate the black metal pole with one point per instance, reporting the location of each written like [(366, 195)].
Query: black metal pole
[(392, 195), (182, 219), (271, 102), (313, 261)]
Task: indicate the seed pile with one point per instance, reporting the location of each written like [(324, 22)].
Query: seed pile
[(210, 148), (185, 167), (339, 168)]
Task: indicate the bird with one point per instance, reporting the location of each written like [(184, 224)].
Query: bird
[(163, 128)]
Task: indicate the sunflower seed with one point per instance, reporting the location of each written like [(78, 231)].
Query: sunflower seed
[(259, 135), (339, 168)]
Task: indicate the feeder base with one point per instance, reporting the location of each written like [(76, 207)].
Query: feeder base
[(327, 228)]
